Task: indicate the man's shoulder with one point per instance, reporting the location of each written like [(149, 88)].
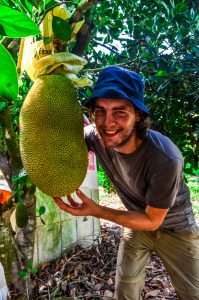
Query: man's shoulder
[(163, 144)]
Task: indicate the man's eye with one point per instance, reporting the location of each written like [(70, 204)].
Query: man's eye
[(120, 113), (100, 112)]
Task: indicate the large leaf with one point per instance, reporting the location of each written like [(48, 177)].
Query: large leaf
[(15, 24), (61, 29), (8, 75)]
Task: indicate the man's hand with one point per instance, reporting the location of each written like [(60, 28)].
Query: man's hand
[(86, 208)]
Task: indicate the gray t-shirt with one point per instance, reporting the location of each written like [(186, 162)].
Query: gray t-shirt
[(152, 175)]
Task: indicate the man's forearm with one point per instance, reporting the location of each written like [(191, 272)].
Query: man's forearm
[(131, 219)]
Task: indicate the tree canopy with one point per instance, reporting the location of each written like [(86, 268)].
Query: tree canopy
[(158, 39)]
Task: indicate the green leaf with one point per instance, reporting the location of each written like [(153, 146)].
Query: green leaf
[(88, 92), (50, 3), (3, 105), (183, 30), (61, 29), (34, 271), (181, 7), (8, 75), (30, 267), (15, 24), (29, 264), (161, 73), (28, 183), (42, 210), (22, 274)]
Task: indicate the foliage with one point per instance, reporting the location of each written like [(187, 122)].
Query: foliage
[(155, 38), (159, 39), (8, 75), (104, 181), (193, 184), (28, 270), (23, 25)]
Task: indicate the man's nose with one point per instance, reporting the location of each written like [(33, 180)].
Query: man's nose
[(109, 119)]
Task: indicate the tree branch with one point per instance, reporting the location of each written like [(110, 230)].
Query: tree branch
[(83, 38), (84, 34), (12, 45), (4, 165), (82, 7), (126, 64), (111, 50), (11, 141)]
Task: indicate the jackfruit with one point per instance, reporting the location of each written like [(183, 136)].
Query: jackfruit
[(52, 144), (21, 215)]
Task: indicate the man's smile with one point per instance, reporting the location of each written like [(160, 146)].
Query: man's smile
[(110, 132), (107, 134)]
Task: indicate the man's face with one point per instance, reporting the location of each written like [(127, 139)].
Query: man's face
[(115, 121)]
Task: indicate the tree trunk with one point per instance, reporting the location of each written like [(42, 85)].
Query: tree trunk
[(24, 243), (16, 247)]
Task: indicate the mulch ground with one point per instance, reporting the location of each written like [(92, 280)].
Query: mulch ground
[(89, 273)]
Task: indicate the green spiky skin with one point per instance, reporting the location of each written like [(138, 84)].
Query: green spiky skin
[(52, 143)]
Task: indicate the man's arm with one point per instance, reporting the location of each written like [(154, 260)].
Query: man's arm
[(149, 220)]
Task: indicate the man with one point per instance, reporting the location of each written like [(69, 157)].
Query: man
[(147, 171)]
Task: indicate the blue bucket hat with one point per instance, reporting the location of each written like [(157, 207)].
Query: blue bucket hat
[(115, 82)]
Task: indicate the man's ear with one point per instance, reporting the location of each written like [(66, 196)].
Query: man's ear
[(138, 115)]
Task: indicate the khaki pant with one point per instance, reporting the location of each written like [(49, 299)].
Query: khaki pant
[(179, 252)]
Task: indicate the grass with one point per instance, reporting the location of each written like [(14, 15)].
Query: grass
[(193, 184)]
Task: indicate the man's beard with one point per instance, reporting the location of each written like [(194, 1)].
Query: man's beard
[(124, 140)]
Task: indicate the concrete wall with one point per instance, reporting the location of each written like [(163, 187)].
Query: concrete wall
[(62, 230)]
